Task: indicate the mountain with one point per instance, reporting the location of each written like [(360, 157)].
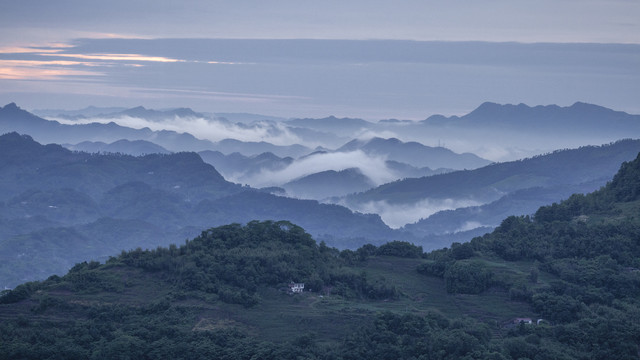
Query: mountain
[(562, 284), (340, 126), (323, 139), (329, 183), (250, 148), (155, 115), (239, 167), (48, 192), (459, 225), (409, 171), (135, 147), (333, 224), (15, 119), (89, 111), (115, 113), (415, 154), (478, 199), (29, 165), (247, 117), (579, 117), (489, 183), (314, 185)]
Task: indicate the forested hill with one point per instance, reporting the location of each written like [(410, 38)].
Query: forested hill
[(583, 256), (28, 165), (58, 207), (564, 284)]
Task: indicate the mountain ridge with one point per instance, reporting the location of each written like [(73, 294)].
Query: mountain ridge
[(48, 187), (579, 113), (415, 154), (562, 284)]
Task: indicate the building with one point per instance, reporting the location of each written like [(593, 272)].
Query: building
[(296, 287)]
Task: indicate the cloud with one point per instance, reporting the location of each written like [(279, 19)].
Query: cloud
[(33, 48), (399, 79), (204, 128), (373, 167), (118, 57), (366, 134), (398, 215), (469, 225), (42, 70)]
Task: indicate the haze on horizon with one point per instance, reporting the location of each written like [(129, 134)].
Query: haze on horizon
[(373, 59)]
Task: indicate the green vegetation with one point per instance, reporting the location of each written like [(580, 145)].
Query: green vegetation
[(572, 269), (584, 260), (59, 207)]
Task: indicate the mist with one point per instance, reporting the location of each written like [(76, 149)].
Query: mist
[(205, 129), (373, 167), (398, 215)]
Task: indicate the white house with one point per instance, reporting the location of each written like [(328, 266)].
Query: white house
[(527, 321), (296, 287)]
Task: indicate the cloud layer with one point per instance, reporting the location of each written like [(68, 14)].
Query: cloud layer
[(316, 78), (203, 128), (396, 216), (373, 167)]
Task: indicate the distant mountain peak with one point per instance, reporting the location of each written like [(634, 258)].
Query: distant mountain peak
[(579, 117), (14, 113), (11, 106), (14, 136), (491, 108)]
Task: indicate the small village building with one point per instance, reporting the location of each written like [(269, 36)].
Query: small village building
[(296, 287), (527, 321)]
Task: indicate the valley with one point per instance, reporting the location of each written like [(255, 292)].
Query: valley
[(227, 288), (485, 255)]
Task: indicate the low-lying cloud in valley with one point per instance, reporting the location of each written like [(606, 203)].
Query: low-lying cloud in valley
[(398, 215), (373, 167), (204, 128)]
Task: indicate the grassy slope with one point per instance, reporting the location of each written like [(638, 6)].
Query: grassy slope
[(279, 316)]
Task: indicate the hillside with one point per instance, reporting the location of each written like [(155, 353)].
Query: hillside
[(239, 167), (224, 294), (482, 197), (579, 117), (562, 167), (15, 119), (135, 147), (448, 226), (51, 198), (328, 183), (339, 126), (571, 271), (415, 154)]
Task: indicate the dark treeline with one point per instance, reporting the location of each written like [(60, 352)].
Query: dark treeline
[(590, 247)]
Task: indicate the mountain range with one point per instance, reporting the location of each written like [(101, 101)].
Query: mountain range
[(516, 187), (415, 154), (57, 197), (409, 158), (124, 146), (53, 195), (13, 118), (560, 284), (579, 117), (429, 210)]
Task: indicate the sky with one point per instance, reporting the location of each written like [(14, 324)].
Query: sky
[(368, 59)]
